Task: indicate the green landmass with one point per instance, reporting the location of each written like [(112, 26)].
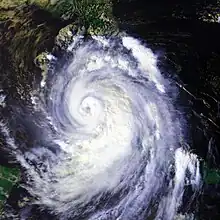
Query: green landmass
[(211, 176), (8, 178)]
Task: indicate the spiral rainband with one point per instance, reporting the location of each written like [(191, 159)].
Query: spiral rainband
[(118, 133)]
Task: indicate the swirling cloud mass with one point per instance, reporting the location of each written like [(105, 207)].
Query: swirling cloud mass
[(118, 136)]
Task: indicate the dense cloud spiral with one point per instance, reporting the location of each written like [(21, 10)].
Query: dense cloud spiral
[(118, 135)]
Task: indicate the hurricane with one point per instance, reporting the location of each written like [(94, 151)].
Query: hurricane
[(112, 135)]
